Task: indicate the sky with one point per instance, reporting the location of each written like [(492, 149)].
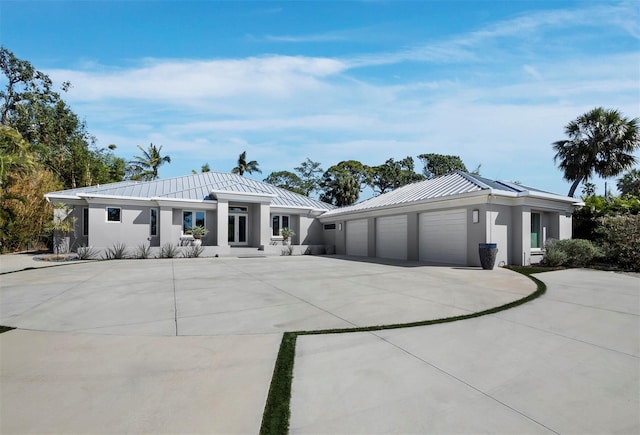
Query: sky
[(494, 82)]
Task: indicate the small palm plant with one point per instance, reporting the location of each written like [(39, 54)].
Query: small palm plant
[(62, 225), (287, 234), (198, 231)]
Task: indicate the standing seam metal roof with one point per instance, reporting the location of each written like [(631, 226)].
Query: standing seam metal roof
[(456, 183), (197, 187)]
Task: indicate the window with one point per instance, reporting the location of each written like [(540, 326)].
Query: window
[(536, 233), (113, 214), (278, 222), (153, 222), (329, 227), (192, 219), (237, 209), (85, 221)]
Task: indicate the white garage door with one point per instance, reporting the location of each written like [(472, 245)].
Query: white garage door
[(391, 237), (357, 238), (443, 237)]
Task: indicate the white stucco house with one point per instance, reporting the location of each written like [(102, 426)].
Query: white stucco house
[(439, 221), (443, 220), (236, 211)]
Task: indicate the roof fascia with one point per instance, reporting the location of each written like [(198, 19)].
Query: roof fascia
[(263, 198)]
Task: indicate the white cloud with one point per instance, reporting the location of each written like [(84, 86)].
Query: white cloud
[(282, 109)]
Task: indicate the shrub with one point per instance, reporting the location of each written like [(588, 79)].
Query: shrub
[(193, 251), (570, 252), (621, 240), (116, 252), (143, 251), (87, 253), (168, 250)]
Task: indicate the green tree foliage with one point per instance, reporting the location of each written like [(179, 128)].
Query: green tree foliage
[(599, 142), (620, 240), (145, 167), (310, 175), (204, 168), (585, 219), (341, 184), (629, 183), (58, 138), (393, 174), (436, 165), (286, 180), (246, 166)]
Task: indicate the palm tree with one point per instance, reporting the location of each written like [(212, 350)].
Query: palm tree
[(629, 183), (600, 141), (244, 166), (145, 167)]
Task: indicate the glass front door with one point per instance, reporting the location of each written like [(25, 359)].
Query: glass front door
[(238, 229)]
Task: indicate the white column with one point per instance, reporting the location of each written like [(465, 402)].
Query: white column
[(222, 229)]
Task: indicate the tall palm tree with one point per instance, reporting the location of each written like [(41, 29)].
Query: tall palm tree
[(244, 166), (145, 167), (600, 141)]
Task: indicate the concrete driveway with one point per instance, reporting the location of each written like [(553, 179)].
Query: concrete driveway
[(168, 346)]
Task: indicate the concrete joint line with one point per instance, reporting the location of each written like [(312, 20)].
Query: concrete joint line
[(497, 316), (462, 381), (302, 300), (175, 301)]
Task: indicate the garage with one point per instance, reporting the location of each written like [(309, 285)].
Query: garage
[(391, 237), (443, 237), (357, 238)]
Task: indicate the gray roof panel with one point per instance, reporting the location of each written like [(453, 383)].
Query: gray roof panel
[(197, 187)]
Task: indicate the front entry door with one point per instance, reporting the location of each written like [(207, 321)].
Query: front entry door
[(238, 229)]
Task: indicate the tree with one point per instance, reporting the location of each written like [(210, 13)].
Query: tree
[(341, 184), (244, 166), (629, 183), (310, 175), (392, 175), (436, 165), (588, 189), (600, 142), (58, 138), (24, 84), (145, 167), (204, 168), (286, 180)]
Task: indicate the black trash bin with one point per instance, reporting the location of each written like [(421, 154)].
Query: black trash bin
[(488, 252)]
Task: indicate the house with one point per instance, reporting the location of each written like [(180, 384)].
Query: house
[(438, 221), (443, 220), (236, 211)]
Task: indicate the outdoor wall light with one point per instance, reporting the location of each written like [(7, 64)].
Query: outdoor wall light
[(339, 227), (475, 216)]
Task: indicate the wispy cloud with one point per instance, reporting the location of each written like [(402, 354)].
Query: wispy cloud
[(497, 92)]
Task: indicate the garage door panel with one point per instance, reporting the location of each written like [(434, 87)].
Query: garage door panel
[(357, 237), (443, 237), (391, 237)]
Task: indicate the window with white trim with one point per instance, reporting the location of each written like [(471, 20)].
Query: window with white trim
[(536, 231), (192, 219), (85, 221), (114, 214), (278, 222), (153, 222)]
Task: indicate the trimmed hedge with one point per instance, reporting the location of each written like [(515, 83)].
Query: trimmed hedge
[(570, 253)]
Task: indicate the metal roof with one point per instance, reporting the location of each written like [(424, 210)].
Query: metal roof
[(450, 185), (196, 187)]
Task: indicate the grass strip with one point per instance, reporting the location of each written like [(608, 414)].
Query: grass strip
[(275, 419), (5, 329)]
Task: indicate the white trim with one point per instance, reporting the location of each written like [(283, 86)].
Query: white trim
[(106, 215), (151, 209)]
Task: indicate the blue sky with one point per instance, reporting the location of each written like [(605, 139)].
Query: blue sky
[(494, 82)]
